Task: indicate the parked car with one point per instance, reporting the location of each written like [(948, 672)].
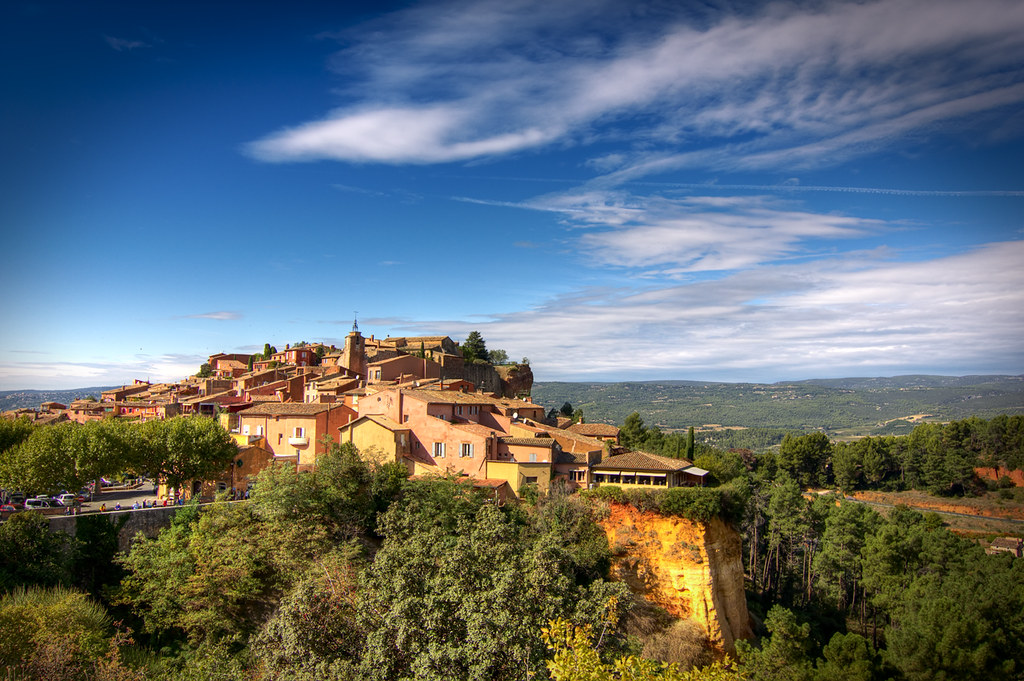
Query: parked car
[(9, 508), (67, 499), (39, 503)]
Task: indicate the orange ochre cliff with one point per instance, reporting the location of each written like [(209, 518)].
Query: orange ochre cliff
[(692, 569)]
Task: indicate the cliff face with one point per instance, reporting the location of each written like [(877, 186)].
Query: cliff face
[(693, 570), (516, 379)]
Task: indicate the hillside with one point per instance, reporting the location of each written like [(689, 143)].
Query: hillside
[(849, 406), (17, 399)]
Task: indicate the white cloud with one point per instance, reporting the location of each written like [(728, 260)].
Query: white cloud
[(700, 233), (222, 316), (120, 44), (70, 375), (785, 84), (851, 315)]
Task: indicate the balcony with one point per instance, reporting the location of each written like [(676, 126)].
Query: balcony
[(298, 441)]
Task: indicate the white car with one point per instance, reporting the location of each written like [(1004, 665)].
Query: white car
[(39, 503), (67, 499)]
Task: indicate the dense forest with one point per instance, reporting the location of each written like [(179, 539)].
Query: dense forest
[(856, 406), (936, 458), (354, 571)]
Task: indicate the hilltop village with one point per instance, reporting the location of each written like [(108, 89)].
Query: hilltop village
[(417, 401)]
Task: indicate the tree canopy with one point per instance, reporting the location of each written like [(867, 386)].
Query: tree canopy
[(474, 347)]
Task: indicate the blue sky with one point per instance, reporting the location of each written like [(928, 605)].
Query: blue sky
[(616, 190)]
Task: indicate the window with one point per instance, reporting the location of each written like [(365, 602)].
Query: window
[(531, 480), (300, 431), (533, 456), (458, 410), (465, 449), (438, 450), (259, 430), (245, 430), (222, 487)]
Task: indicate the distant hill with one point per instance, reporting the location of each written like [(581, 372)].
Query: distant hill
[(845, 406), (17, 399)]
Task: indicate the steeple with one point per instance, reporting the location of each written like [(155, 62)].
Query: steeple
[(355, 322)]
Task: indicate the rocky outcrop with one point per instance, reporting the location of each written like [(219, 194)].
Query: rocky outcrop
[(516, 379), (693, 570), (511, 380)]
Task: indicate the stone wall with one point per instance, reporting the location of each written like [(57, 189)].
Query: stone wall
[(148, 521)]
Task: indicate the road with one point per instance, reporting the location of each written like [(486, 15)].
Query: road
[(125, 497)]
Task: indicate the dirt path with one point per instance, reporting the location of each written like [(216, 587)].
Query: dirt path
[(968, 516)]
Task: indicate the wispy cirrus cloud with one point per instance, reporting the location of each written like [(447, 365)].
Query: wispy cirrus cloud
[(781, 84), (844, 315), (220, 316), (60, 375), (122, 45), (674, 236)]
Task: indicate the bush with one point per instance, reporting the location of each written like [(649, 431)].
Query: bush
[(605, 493), (695, 503)]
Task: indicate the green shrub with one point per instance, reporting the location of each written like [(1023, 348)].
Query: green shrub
[(605, 493), (695, 503)]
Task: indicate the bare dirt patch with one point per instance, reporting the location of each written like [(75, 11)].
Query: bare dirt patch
[(987, 506)]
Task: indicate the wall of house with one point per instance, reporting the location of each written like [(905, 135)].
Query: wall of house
[(376, 442), (516, 474), (241, 472), (522, 453), (427, 430), (404, 365)]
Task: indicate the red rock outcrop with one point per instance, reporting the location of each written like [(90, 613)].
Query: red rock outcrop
[(694, 570)]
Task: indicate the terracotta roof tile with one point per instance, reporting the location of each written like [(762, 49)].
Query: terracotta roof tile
[(642, 461), (594, 429), (289, 409), (546, 443)]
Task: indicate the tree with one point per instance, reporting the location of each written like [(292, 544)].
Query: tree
[(837, 563), (205, 370), (34, 619), (498, 356), (848, 657), (805, 457), (784, 655), (13, 432), (67, 455), (268, 351), (476, 613), (208, 576), (313, 634), (32, 555), (474, 347), (633, 433), (575, 657), (566, 410), (184, 448), (689, 444)]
